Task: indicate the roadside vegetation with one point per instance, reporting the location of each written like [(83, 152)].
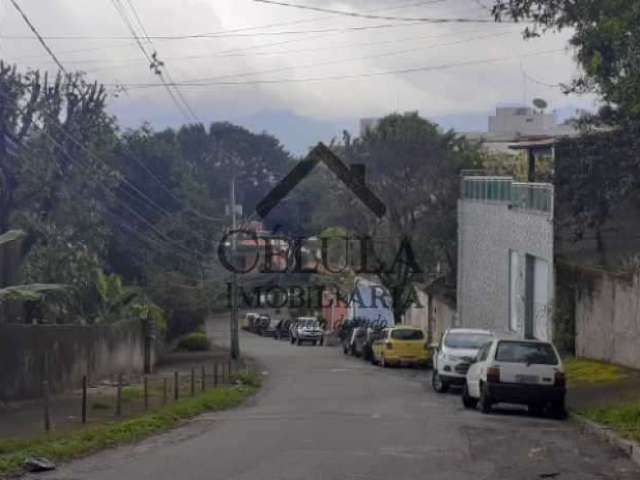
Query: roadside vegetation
[(625, 420), (67, 446), (582, 372)]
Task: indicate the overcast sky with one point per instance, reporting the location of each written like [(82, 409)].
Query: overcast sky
[(299, 49)]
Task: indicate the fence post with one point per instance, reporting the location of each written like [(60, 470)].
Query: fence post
[(145, 387), (84, 399), (203, 378), (176, 385), (45, 405), (119, 396), (164, 390), (215, 374), (193, 381)]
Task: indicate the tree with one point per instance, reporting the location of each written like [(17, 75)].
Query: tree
[(413, 167), (606, 35)]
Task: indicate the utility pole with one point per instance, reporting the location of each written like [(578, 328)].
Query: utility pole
[(235, 342)]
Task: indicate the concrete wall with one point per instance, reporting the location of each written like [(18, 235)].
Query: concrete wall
[(608, 317), (434, 315), (487, 234), (62, 354)]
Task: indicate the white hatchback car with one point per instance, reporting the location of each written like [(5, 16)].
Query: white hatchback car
[(528, 372), (454, 355)]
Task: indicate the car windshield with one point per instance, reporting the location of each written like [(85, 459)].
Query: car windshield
[(466, 340), (407, 334), (309, 324), (526, 352)]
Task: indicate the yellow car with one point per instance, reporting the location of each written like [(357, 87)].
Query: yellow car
[(401, 345)]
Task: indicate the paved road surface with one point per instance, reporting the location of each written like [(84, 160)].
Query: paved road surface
[(322, 415)]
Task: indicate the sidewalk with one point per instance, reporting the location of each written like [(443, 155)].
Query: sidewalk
[(25, 419)]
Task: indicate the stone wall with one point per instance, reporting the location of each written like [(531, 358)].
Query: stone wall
[(607, 317), (63, 354), (487, 234)]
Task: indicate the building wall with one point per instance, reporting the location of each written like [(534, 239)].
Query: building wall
[(521, 120), (607, 317), (63, 354), (488, 233), (418, 314)]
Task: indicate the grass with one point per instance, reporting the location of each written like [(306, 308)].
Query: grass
[(625, 420), (67, 446), (581, 372)]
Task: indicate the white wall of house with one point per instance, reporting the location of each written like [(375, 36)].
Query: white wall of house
[(497, 245)]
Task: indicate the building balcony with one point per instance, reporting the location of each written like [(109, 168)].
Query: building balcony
[(536, 197)]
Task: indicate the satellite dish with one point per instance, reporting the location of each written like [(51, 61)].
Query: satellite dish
[(540, 103)]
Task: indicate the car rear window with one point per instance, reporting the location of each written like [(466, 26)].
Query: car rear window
[(466, 340), (526, 352), (406, 334)]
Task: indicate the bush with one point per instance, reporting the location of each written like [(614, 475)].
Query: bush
[(195, 342)]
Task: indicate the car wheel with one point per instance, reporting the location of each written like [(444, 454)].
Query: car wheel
[(383, 362), (321, 341), (467, 400), (315, 342), (558, 410), (439, 385), (485, 400)]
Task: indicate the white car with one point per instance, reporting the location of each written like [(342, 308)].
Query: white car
[(528, 372), (454, 355)]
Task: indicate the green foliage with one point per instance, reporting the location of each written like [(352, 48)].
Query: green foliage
[(584, 372), (413, 166), (64, 447), (195, 342), (625, 420), (34, 292)]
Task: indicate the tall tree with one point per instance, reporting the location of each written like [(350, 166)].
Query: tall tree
[(413, 167)]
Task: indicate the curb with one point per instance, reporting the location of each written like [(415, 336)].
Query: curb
[(629, 448)]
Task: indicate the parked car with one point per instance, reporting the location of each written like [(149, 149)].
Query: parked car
[(358, 341), (528, 372), (248, 321), (401, 345), (266, 326), (282, 329), (307, 329), (454, 355), (261, 323)]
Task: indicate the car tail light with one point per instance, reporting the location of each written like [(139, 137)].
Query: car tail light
[(493, 375), (389, 345), (560, 379)]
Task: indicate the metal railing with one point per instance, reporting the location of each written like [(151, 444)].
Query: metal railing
[(526, 196)]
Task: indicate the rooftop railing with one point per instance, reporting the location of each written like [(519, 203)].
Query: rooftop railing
[(525, 196)]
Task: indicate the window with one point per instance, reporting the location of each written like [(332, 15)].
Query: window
[(526, 352), (466, 340), (406, 334), (484, 351)]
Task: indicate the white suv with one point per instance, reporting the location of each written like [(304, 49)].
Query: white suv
[(527, 372), (454, 355)]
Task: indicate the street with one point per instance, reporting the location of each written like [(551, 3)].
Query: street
[(323, 415)]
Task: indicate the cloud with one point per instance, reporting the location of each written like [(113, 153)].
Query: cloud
[(438, 92)]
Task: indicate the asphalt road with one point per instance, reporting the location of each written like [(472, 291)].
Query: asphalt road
[(322, 415)]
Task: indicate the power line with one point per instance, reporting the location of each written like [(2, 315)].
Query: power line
[(426, 68), (352, 59), (221, 35), (376, 17), (154, 64), (37, 34), (251, 51)]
